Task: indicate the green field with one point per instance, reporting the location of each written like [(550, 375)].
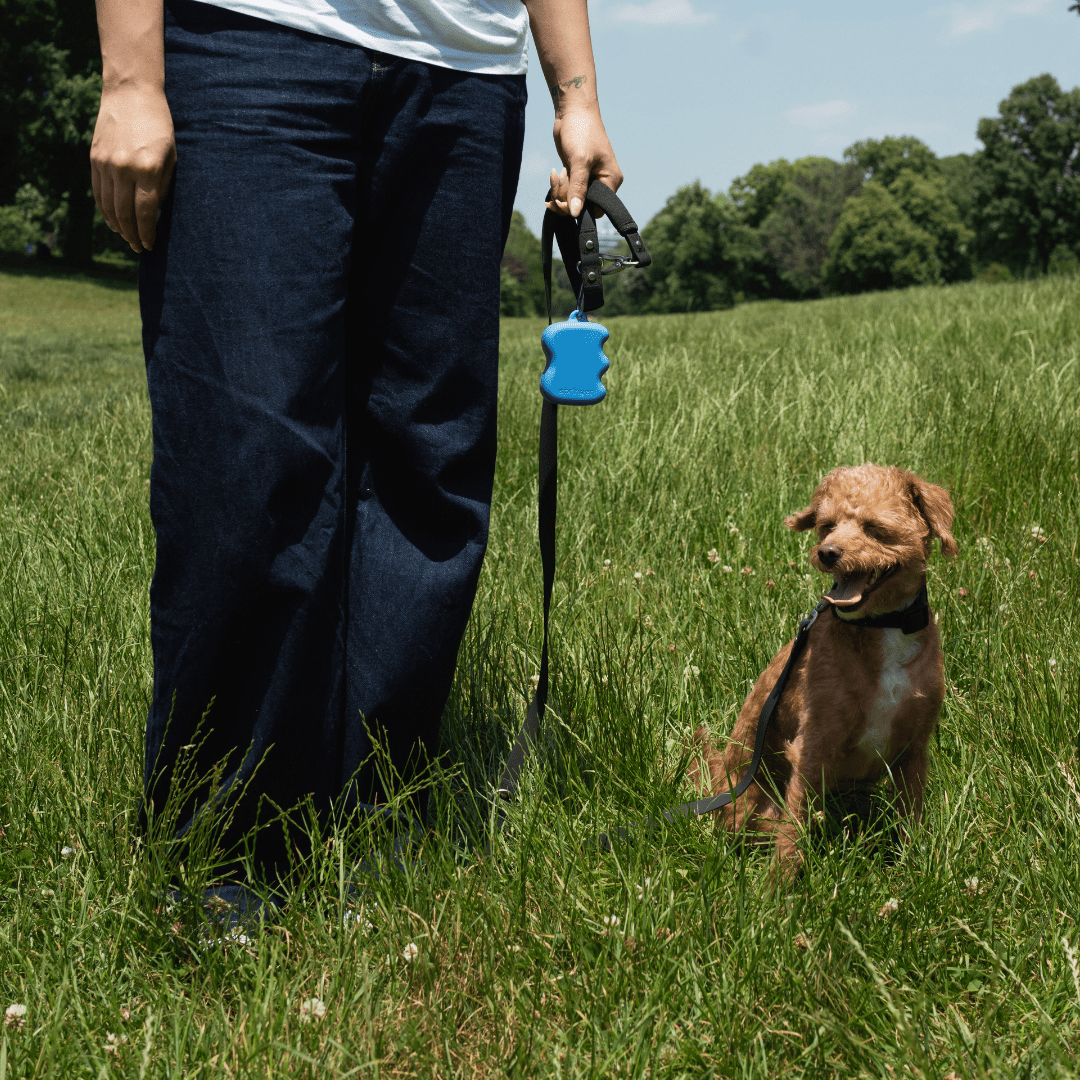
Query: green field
[(716, 426)]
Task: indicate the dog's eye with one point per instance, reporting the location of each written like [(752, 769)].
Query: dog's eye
[(878, 532), (826, 527)]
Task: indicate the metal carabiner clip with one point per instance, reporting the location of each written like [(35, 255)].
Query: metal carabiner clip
[(618, 263)]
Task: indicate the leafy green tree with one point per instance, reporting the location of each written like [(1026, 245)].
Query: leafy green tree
[(755, 194), (958, 173), (795, 234), (50, 85), (876, 245), (884, 159), (700, 248), (926, 202), (1027, 176)]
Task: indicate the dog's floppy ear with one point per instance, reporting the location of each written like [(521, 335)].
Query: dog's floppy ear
[(936, 507), (803, 520)]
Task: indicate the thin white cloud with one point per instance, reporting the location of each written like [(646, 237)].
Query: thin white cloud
[(825, 115), (663, 13), (970, 18)]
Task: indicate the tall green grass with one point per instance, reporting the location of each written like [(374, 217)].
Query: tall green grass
[(665, 958)]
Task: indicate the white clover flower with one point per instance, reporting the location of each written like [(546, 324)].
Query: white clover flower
[(637, 575), (48, 894), (15, 1016), (734, 530), (971, 886), (1038, 535), (712, 555), (513, 948), (643, 889), (1052, 662), (67, 853), (311, 1009), (607, 562), (611, 920), (890, 907), (410, 952), (747, 571), (647, 621), (691, 670), (113, 1042)]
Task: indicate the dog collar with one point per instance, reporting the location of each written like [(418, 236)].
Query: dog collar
[(910, 619)]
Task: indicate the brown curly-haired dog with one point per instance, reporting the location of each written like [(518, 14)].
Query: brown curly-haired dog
[(860, 701)]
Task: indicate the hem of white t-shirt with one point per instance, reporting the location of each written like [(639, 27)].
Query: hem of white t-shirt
[(514, 63)]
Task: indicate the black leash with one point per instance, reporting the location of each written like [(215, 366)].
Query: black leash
[(579, 246), (584, 262), (910, 620)]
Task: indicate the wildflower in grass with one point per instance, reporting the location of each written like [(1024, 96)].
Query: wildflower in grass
[(311, 1009), (1052, 662), (962, 593), (791, 564), (607, 562), (770, 584), (513, 948), (971, 886), (637, 575), (125, 1013), (47, 894), (113, 1042), (611, 920), (734, 530), (1031, 574), (67, 853), (647, 621), (1038, 535), (691, 670), (712, 555), (15, 1016), (672, 647), (650, 572), (1069, 780), (726, 569), (643, 889), (801, 942), (889, 908), (747, 571), (1074, 965), (410, 952)]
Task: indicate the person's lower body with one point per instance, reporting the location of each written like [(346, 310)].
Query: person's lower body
[(320, 322)]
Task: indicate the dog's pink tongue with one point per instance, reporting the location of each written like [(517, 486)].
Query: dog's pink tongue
[(848, 592)]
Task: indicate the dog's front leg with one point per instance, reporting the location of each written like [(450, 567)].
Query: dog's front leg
[(789, 856), (910, 779)]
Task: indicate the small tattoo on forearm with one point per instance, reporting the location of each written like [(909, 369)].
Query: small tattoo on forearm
[(577, 82)]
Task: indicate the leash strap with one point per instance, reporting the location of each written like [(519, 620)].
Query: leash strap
[(579, 246), (768, 710)]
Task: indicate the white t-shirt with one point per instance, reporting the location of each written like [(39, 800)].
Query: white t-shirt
[(487, 37)]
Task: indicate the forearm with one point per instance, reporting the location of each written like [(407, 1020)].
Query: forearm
[(134, 149), (132, 34), (560, 29)]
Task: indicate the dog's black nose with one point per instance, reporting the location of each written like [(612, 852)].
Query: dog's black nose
[(829, 555)]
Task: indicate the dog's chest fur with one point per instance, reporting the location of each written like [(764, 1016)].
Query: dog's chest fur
[(893, 688)]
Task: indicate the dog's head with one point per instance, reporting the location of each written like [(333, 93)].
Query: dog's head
[(875, 528)]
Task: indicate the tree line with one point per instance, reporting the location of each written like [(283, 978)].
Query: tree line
[(889, 215)]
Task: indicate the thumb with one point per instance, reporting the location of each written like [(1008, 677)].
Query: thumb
[(578, 186)]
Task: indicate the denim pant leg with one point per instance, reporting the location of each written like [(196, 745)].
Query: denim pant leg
[(440, 157), (320, 326)]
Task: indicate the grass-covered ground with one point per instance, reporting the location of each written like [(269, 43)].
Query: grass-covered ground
[(549, 958)]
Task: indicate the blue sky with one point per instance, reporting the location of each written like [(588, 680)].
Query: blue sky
[(701, 90)]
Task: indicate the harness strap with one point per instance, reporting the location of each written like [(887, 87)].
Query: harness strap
[(910, 619)]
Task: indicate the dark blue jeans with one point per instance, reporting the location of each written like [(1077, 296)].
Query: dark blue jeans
[(320, 317)]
